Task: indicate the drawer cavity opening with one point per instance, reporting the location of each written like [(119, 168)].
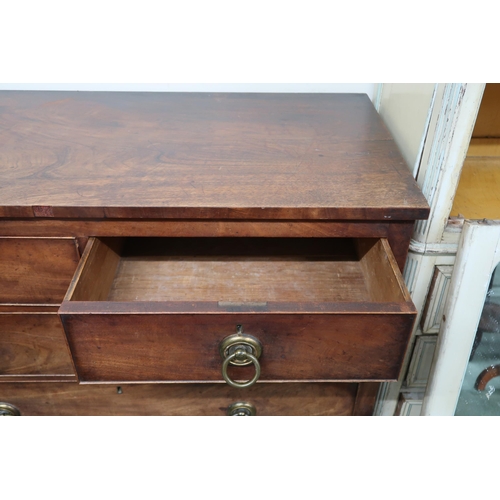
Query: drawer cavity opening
[(238, 271)]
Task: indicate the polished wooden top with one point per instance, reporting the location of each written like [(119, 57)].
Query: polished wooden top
[(200, 156)]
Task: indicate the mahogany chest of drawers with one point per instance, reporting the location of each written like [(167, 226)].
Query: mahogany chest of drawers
[(200, 254)]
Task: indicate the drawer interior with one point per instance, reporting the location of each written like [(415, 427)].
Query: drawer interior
[(238, 270)]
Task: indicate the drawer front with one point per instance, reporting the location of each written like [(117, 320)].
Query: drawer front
[(36, 270), (33, 344), (178, 399), (295, 347), (158, 309)]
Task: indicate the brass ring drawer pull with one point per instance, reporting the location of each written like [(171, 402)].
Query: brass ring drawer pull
[(8, 410), (240, 350), (241, 409), (239, 354)]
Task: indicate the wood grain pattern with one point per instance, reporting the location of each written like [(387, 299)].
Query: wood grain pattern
[(186, 228), (178, 399), (149, 340), (380, 272), (399, 236), (96, 271), (184, 347), (17, 308), (33, 344), (397, 233), (238, 270), (36, 270), (308, 167), (201, 156), (366, 398), (243, 280), (81, 243)]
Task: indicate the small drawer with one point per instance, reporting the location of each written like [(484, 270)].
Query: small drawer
[(178, 399), (36, 270), (33, 345), (157, 309)]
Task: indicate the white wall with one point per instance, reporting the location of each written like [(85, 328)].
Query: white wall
[(405, 109), (358, 88)]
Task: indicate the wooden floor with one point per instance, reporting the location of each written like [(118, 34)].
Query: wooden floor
[(478, 193)]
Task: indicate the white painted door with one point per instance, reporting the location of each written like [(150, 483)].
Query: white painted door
[(471, 313)]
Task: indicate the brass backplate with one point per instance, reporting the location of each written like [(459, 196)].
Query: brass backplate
[(8, 410), (242, 409), (240, 341)]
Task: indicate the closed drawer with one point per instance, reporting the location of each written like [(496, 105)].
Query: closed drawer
[(36, 270), (178, 399), (33, 344), (157, 309)]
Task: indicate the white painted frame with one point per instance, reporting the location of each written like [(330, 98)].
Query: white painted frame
[(452, 118), (455, 110), (477, 257), (436, 299), (421, 362), (411, 408)]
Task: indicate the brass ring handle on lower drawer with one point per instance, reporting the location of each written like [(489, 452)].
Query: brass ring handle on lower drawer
[(240, 353), (8, 410), (240, 349), (241, 409)]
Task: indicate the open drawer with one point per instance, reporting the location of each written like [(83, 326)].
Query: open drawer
[(157, 309)]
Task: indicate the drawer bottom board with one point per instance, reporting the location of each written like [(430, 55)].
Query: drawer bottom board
[(42, 398)]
